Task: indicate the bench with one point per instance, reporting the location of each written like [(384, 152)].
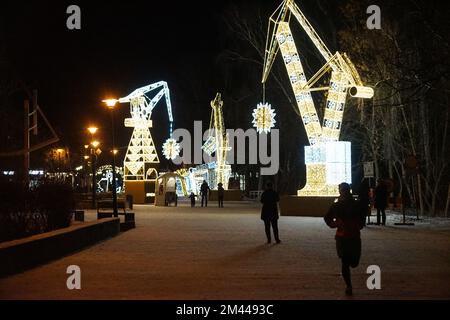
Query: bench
[(105, 210)]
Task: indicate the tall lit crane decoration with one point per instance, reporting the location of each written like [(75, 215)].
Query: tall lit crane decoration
[(217, 142), (328, 161), (141, 153)]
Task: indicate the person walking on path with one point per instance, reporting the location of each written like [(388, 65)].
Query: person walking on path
[(192, 197), (204, 190), (220, 194), (348, 217), (381, 194), (269, 212)]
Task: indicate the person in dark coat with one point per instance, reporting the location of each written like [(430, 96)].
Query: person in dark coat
[(269, 212), (381, 195), (346, 215), (204, 190), (192, 197), (220, 194)]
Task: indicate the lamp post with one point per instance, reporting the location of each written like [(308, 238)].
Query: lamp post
[(111, 103), (86, 163), (94, 145), (59, 151)]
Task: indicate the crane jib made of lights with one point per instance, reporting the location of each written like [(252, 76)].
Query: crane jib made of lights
[(328, 160)]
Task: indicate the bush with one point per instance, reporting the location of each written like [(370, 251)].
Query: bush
[(25, 212)]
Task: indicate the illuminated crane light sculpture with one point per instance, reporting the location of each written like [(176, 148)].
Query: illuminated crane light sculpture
[(328, 161), (263, 117), (218, 142), (141, 156)]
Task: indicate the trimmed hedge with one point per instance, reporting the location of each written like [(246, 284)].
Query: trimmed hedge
[(25, 212)]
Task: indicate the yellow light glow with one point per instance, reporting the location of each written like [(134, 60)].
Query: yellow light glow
[(95, 143), (115, 151), (86, 157), (92, 130), (60, 150), (110, 103), (86, 146)]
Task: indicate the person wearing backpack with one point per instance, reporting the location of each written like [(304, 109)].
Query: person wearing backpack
[(347, 215)]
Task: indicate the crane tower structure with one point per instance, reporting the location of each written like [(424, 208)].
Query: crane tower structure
[(217, 142), (328, 160), (141, 153)]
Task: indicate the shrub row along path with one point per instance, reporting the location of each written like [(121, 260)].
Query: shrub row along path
[(212, 253)]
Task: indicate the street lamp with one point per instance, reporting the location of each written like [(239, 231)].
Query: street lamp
[(111, 104), (92, 130), (94, 144), (59, 151)]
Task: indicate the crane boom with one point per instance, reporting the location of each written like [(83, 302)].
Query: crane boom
[(146, 105)]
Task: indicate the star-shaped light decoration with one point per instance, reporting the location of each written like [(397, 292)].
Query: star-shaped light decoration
[(171, 149), (263, 117)]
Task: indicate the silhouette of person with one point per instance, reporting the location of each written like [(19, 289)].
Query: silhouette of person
[(220, 194), (204, 190), (269, 212), (346, 215), (381, 194), (192, 197)]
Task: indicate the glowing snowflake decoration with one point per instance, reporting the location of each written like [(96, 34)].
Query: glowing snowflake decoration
[(171, 149), (263, 117)]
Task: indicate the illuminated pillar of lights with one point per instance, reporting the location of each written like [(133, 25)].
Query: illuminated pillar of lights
[(218, 143), (328, 164), (298, 80), (223, 170), (334, 110), (141, 151)]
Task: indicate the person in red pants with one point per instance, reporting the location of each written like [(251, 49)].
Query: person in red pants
[(347, 215)]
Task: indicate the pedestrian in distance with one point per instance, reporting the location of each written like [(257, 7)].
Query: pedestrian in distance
[(364, 199), (204, 191), (220, 194), (381, 195), (192, 197), (269, 212), (348, 217)]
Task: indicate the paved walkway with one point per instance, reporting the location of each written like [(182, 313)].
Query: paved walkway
[(212, 253)]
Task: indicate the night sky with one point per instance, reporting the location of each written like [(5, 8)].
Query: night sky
[(123, 45)]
